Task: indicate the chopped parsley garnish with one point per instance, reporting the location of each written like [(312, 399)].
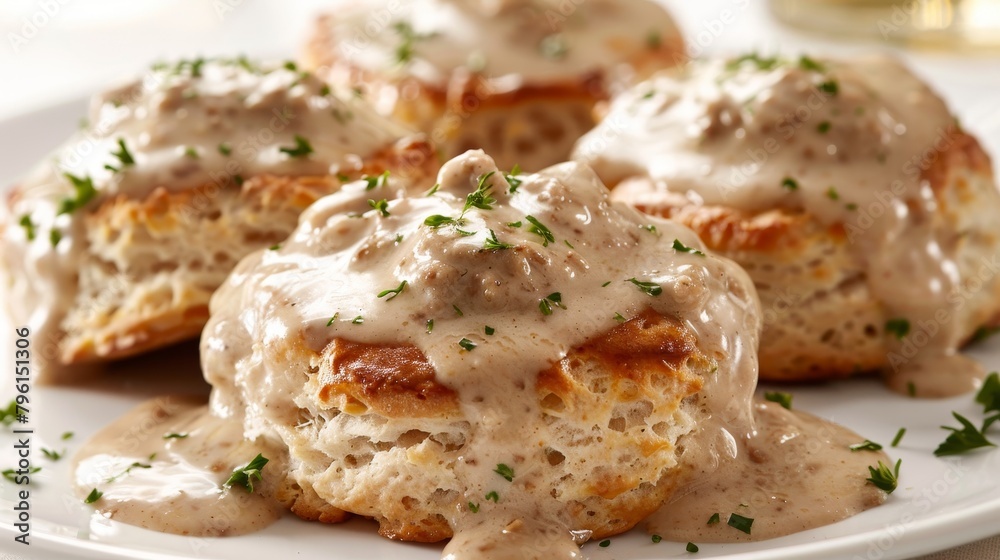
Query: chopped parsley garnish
[(9, 414), (11, 474), (123, 155), (514, 225), (554, 47), (376, 181), (474, 508), (301, 149), (823, 127), (495, 244), (653, 39), (94, 495), (568, 244), (898, 438), (245, 475), (867, 445), (606, 284), (467, 344), (832, 193), (650, 228), (605, 543), (761, 62), (404, 51), (989, 393), (191, 152), (829, 86), (358, 320), (680, 247), (29, 227), (128, 470), (430, 325), (274, 247), (481, 197), (238, 179), (962, 440), (494, 496), (619, 318), (398, 239), (333, 319), (784, 399), (656, 538), (807, 63), (437, 220), (457, 310), (884, 478), (897, 327), (174, 435), (505, 471), (55, 236), (982, 333), (395, 292), (66, 436), (433, 190), (692, 548), (324, 90), (553, 299), (85, 192), (540, 230), (512, 179), (649, 288), (490, 331), (790, 184), (382, 206), (737, 521), (714, 519), (52, 454)]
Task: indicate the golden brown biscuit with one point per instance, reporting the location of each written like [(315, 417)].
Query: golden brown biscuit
[(511, 352), (518, 78), (845, 188), (114, 246)]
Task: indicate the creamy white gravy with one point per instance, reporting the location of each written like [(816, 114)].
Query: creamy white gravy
[(844, 140), (164, 466), (796, 472), (345, 253), (185, 125), (514, 42)]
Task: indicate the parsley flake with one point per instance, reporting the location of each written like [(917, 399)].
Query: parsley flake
[(493, 243), (52, 455), (692, 548), (989, 393), (467, 344), (656, 538), (784, 399), (358, 320), (12, 475), (867, 445), (94, 495), (619, 318), (680, 247), (714, 519), (245, 475), (490, 331), (790, 184), (333, 319), (123, 155), (898, 438), (512, 179), (505, 471), (395, 292), (605, 543), (85, 192), (545, 305), (829, 86), (737, 521), (376, 181), (29, 227), (382, 206), (474, 508), (540, 230), (883, 478), (430, 325), (898, 328), (962, 440), (301, 149), (493, 496), (175, 435), (649, 288)]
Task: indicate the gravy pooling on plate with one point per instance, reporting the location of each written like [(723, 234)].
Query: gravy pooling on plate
[(533, 356)]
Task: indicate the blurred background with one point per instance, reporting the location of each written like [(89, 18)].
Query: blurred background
[(61, 50)]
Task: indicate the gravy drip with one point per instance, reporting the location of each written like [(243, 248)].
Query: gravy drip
[(845, 141)]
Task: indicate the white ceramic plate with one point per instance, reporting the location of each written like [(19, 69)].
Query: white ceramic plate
[(939, 503)]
